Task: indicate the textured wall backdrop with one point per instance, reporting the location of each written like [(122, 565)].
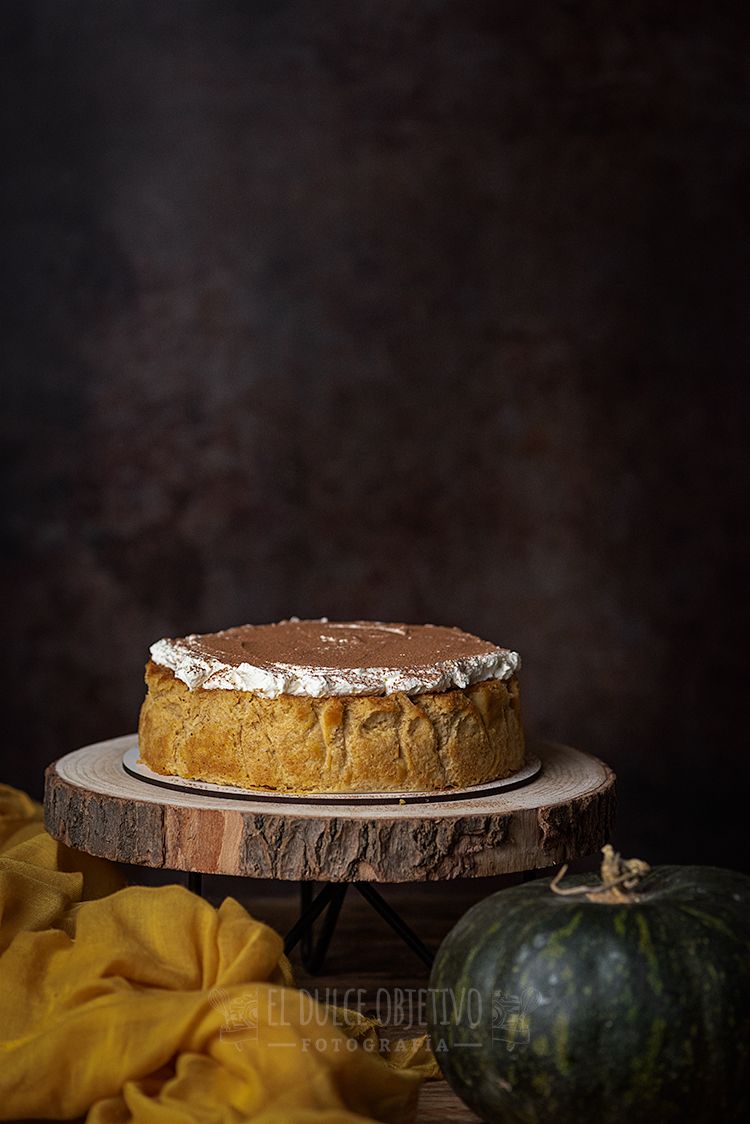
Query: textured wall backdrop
[(428, 311)]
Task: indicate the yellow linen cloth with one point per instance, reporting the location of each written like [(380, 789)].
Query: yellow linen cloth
[(147, 1004)]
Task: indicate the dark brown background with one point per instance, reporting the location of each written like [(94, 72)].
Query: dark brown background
[(427, 311)]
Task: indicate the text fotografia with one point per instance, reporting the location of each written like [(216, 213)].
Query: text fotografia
[(507, 1018)]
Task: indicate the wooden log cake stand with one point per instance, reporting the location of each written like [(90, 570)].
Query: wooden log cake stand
[(92, 804)]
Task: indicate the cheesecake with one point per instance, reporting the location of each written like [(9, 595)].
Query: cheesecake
[(329, 707)]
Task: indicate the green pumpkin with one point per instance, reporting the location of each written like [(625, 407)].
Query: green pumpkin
[(627, 1005)]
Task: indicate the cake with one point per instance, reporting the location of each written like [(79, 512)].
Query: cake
[(318, 706)]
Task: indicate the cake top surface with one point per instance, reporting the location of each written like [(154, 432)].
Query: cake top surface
[(322, 657)]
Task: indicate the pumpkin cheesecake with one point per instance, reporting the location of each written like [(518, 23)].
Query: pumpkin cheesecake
[(323, 706)]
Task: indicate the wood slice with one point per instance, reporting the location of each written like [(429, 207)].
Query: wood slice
[(93, 805)]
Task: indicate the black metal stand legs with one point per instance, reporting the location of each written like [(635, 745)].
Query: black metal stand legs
[(313, 949), (396, 922), (331, 898)]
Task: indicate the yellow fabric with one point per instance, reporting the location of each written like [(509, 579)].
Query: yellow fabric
[(149, 1005)]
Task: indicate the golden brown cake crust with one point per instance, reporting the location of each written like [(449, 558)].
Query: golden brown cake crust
[(398, 742)]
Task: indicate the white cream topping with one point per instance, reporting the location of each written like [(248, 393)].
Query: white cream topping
[(199, 669)]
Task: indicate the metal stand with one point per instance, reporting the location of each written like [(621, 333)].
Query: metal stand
[(331, 898)]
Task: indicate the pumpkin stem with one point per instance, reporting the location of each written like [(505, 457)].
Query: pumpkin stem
[(617, 876)]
